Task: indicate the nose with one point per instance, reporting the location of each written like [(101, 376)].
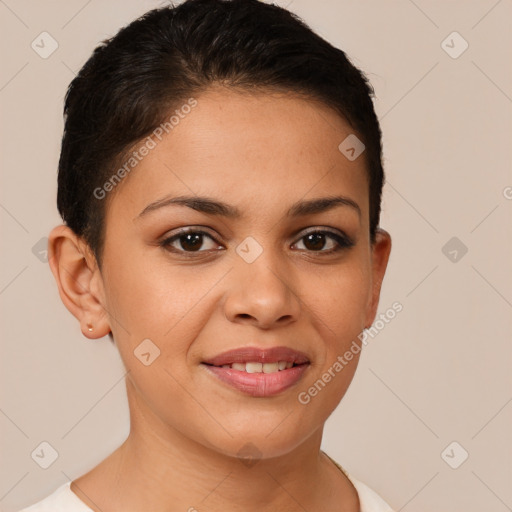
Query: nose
[(261, 294)]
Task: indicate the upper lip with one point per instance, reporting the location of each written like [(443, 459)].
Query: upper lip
[(258, 355)]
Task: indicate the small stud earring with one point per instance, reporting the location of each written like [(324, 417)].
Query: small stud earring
[(89, 327)]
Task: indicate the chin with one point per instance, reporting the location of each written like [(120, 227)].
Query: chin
[(252, 445)]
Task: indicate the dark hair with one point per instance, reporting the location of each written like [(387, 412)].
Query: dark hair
[(131, 82)]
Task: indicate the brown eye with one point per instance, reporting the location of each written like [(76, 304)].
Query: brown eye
[(315, 241), (187, 241)]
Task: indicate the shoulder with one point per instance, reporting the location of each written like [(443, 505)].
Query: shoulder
[(63, 499), (370, 501)]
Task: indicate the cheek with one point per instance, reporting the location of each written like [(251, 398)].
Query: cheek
[(172, 304), (340, 300), (167, 303), (340, 307)]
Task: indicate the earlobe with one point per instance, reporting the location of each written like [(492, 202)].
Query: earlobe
[(75, 270), (381, 250)]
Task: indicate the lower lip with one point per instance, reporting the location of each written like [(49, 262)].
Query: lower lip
[(259, 384)]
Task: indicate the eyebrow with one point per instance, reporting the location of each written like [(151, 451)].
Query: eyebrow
[(214, 207)]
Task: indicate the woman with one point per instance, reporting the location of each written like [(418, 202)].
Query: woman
[(220, 182)]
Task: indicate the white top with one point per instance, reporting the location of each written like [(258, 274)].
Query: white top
[(63, 499)]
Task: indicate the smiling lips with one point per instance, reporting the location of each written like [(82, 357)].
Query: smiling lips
[(255, 367), (259, 372)]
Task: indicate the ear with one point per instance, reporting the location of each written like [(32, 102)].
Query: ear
[(380, 249), (79, 280)]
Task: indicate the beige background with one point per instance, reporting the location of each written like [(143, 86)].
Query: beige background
[(439, 372)]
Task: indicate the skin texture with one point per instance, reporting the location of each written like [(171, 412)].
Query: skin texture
[(259, 152)]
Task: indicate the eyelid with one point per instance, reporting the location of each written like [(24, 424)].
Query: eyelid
[(335, 232), (314, 229), (342, 240), (167, 238), (323, 229)]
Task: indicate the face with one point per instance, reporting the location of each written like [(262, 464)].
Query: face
[(285, 271)]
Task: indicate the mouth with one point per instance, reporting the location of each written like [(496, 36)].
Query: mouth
[(257, 367), (259, 372), (265, 356)]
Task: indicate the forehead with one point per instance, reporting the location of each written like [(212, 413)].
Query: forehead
[(258, 151)]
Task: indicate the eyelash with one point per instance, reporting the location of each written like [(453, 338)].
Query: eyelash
[(343, 241)]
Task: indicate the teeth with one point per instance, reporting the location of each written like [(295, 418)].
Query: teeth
[(270, 367), (253, 367)]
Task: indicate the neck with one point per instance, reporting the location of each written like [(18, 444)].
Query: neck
[(159, 468)]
